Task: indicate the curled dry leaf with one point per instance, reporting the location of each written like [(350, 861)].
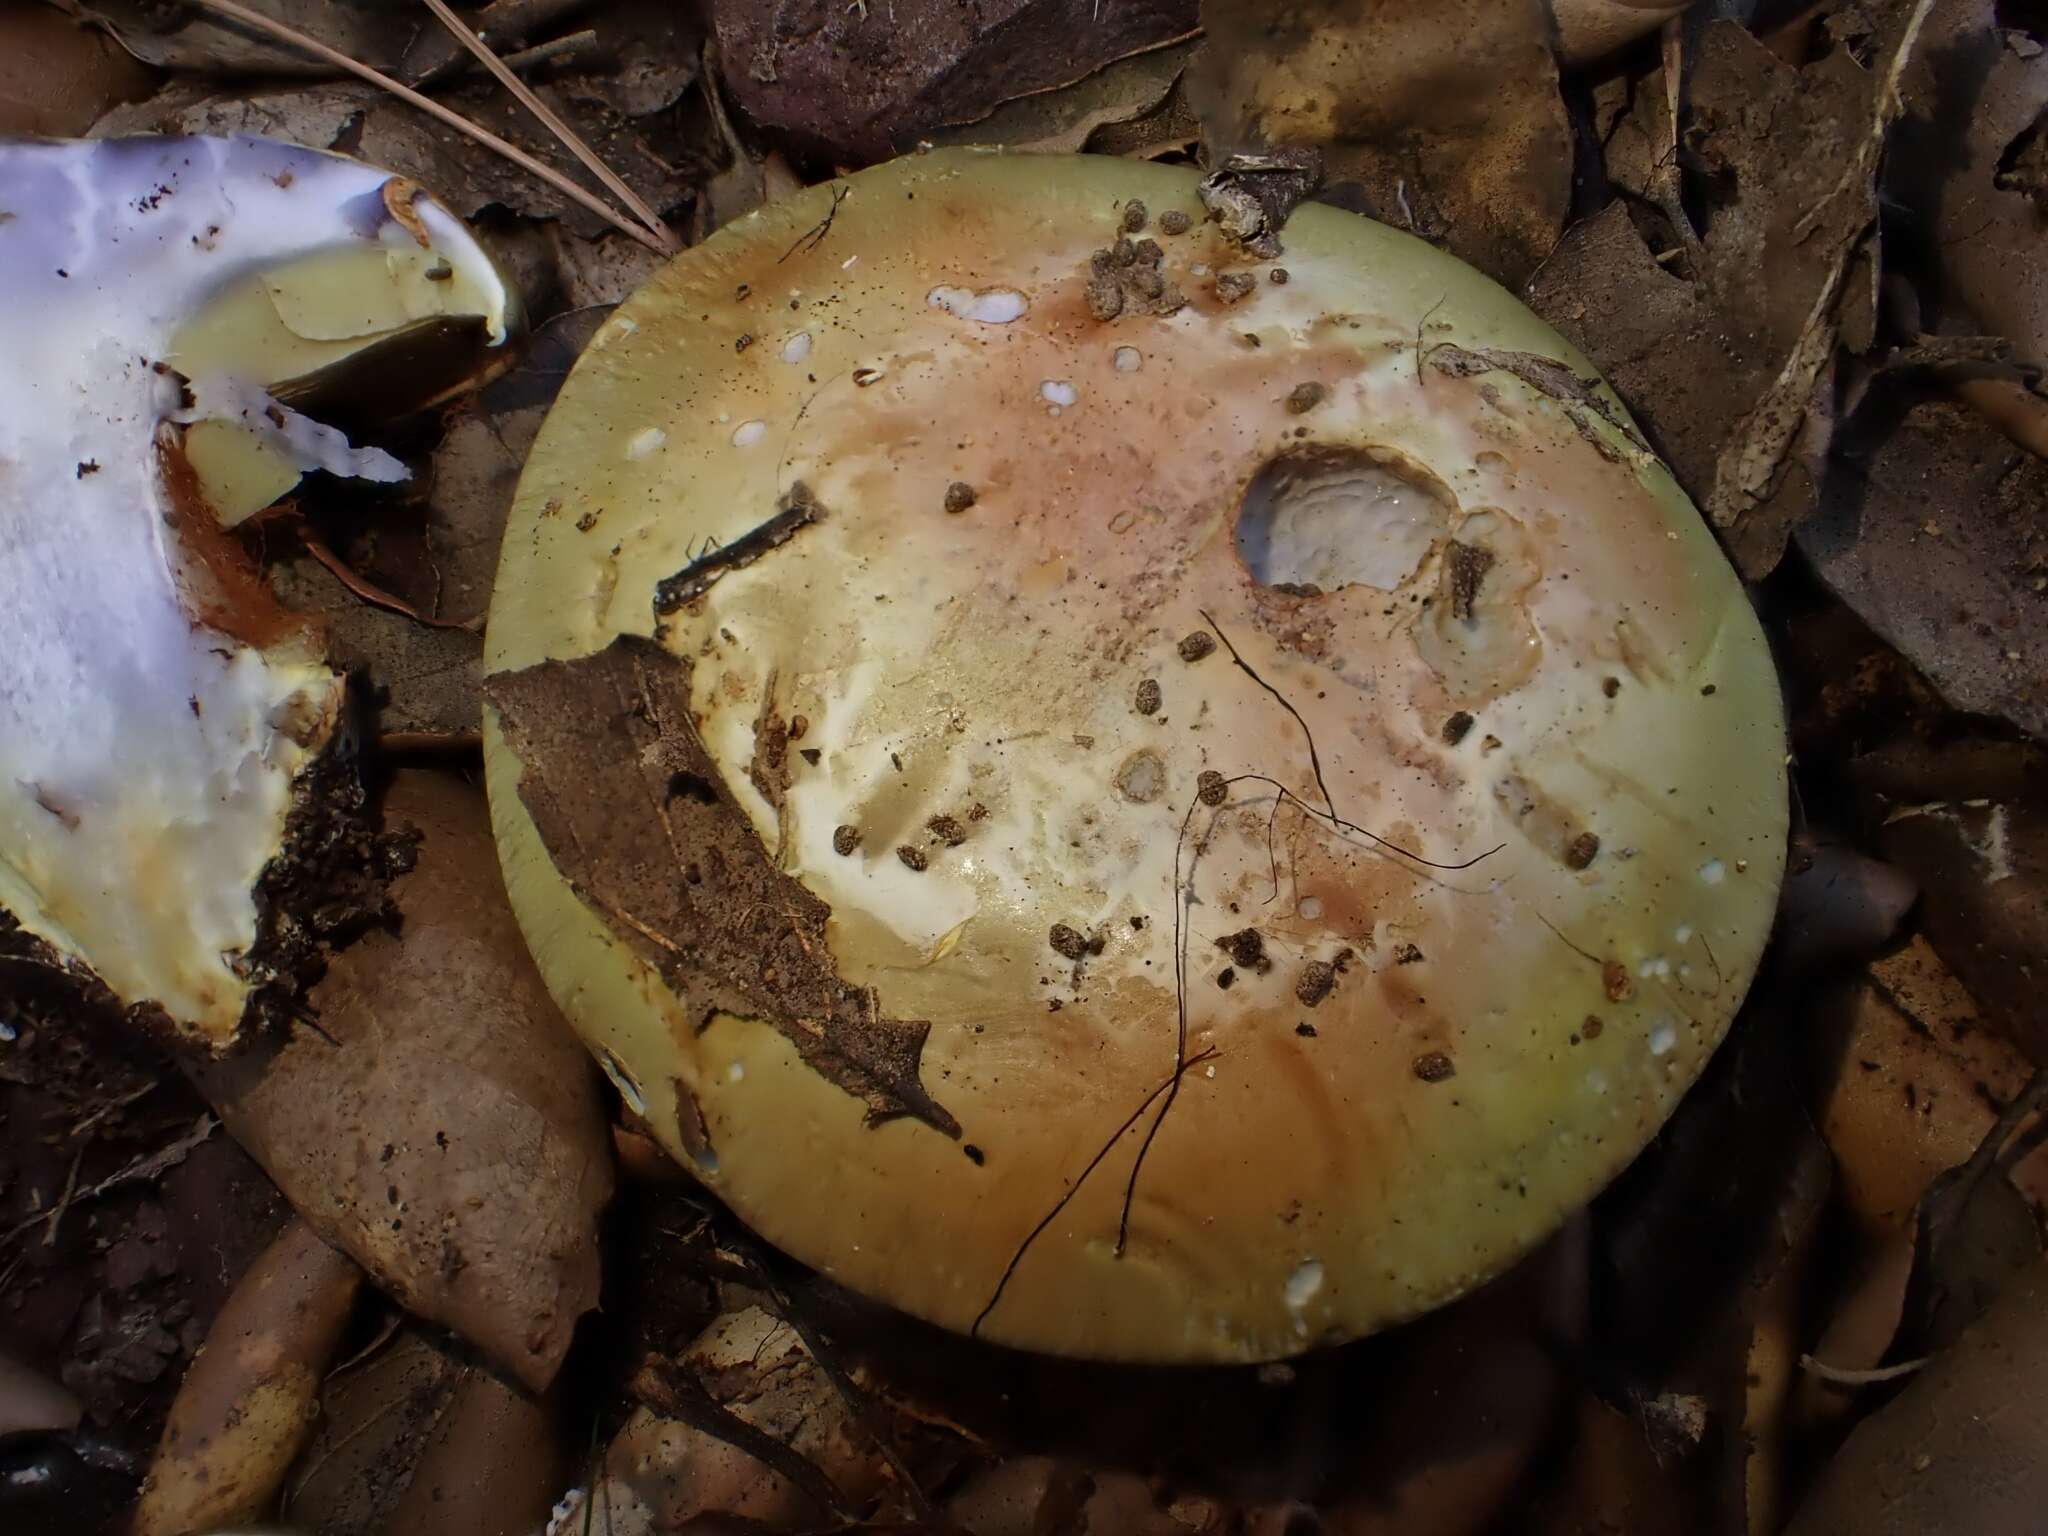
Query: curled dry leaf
[(1590, 29), (859, 82), (1960, 1448), (1934, 536), (186, 38), (378, 1409), (440, 1124), (246, 1406), (1728, 355), (748, 1426), (1975, 98), (493, 1464), (57, 76), (662, 167), (31, 1403), (1970, 823), (1909, 1081), (1063, 121), (1838, 906), (1441, 117)]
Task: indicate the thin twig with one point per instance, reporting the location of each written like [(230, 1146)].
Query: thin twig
[(548, 52), (1836, 1375), (64, 1200), (572, 141), (376, 596), (433, 108), (145, 1167), (110, 1107)]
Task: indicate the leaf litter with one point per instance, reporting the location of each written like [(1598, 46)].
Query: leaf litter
[(1804, 287)]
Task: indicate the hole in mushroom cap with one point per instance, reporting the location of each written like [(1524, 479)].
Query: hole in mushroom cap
[(1333, 517)]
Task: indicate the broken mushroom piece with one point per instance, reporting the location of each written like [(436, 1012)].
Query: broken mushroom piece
[(1136, 1148), (162, 723)]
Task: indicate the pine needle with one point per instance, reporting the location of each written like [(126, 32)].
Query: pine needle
[(519, 157), (571, 140)]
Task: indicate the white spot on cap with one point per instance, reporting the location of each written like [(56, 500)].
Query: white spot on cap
[(1058, 392), (1303, 1284), (1597, 1081), (1683, 933), (644, 443), (748, 432), (991, 306), (1311, 907), (1663, 1038), (797, 348), (737, 1072), (1713, 872), (1127, 359)]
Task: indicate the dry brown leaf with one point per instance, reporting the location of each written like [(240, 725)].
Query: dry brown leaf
[(1062, 121), (1975, 100), (187, 39), (1960, 1448), (1728, 355), (1909, 1080), (1935, 537), (31, 1403), (663, 167), (1970, 822), (493, 1464), (440, 1124), (626, 846), (377, 1410), (858, 82), (57, 77), (246, 1406), (747, 1426), (1590, 29), (1437, 116)]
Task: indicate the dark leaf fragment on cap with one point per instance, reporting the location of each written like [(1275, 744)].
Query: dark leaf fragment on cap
[(679, 874)]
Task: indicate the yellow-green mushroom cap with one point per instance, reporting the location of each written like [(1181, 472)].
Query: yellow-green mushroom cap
[(883, 798)]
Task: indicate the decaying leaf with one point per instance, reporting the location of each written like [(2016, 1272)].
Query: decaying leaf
[(189, 38), (492, 1465), (1838, 906), (57, 77), (1934, 536), (1970, 822), (1589, 29), (440, 1123), (377, 1410), (1975, 99), (1063, 121), (1910, 1079), (245, 1407), (31, 1403), (861, 81), (746, 1427), (1960, 1448), (676, 870), (1729, 358), (362, 121), (1437, 116)]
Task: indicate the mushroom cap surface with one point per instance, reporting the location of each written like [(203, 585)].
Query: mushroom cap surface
[(901, 908)]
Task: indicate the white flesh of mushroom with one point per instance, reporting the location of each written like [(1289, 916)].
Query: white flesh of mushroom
[(147, 760)]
